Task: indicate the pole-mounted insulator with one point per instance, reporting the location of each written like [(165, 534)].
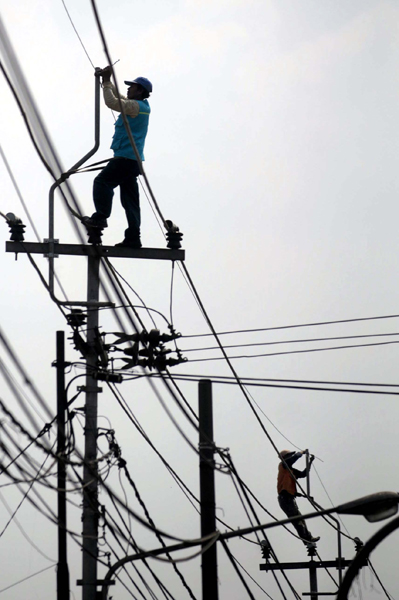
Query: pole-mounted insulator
[(76, 318), (94, 235), (311, 548), (107, 376), (358, 544), (16, 227), (173, 235), (265, 549)]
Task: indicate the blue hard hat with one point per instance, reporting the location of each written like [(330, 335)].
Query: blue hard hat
[(143, 81)]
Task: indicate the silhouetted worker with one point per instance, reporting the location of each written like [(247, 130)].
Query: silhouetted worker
[(123, 169), (286, 489)]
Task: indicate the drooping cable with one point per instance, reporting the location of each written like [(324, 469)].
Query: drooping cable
[(123, 466), (123, 404)]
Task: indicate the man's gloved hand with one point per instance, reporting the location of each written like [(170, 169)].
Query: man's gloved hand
[(106, 73)]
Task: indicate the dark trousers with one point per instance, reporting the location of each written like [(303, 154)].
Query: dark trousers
[(289, 506), (122, 172)]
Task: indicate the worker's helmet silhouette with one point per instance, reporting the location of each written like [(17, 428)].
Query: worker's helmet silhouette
[(143, 81), (286, 453)]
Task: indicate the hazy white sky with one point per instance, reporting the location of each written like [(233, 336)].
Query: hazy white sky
[(273, 145)]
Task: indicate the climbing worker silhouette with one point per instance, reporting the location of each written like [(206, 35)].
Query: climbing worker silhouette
[(123, 169), (286, 489)]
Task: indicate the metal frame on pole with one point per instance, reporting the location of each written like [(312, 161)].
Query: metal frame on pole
[(51, 241)]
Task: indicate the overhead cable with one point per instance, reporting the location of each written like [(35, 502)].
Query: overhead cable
[(296, 351), (28, 577), (183, 377), (303, 341), (76, 31), (316, 324)]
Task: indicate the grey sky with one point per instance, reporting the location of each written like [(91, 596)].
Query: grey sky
[(273, 145)]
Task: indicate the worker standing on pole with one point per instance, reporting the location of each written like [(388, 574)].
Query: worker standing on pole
[(124, 168), (287, 490)]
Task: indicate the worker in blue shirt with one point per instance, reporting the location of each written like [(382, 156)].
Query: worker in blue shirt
[(123, 169)]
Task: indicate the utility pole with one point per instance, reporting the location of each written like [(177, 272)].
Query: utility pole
[(207, 489), (94, 254), (95, 251), (90, 471), (62, 565)]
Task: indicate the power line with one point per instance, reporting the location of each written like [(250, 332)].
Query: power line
[(296, 351), (24, 206), (76, 31), (195, 378), (232, 560), (388, 595), (316, 324), (303, 341), (28, 577), (248, 380)]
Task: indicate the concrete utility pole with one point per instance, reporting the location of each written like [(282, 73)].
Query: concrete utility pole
[(207, 489), (90, 471), (62, 565)]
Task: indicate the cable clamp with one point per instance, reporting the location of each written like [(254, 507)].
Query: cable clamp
[(51, 242)]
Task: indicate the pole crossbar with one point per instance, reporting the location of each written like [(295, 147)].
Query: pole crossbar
[(322, 564), (46, 248)]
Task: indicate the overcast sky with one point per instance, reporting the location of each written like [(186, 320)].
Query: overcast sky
[(273, 145)]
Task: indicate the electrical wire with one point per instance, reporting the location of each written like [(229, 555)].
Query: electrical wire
[(302, 341), (76, 31), (349, 346), (387, 594), (136, 294), (249, 575), (232, 560), (123, 404), (28, 577), (21, 529), (24, 206), (331, 502), (317, 324), (250, 380), (123, 466), (232, 381), (132, 541)]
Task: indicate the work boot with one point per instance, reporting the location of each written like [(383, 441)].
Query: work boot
[(311, 540), (136, 243), (92, 222)]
